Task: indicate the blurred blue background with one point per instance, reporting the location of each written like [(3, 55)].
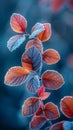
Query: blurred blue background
[(12, 98)]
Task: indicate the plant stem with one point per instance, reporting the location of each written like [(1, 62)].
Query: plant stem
[(50, 122)]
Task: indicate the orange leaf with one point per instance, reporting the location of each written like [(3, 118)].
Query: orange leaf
[(30, 106), (51, 111), (56, 4), (52, 80), (35, 42), (16, 76), (36, 29), (44, 95), (18, 23), (66, 106), (46, 34), (51, 56), (57, 126), (37, 122)]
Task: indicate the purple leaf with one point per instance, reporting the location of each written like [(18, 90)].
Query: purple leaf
[(32, 59)]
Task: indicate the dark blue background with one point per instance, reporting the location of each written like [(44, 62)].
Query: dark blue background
[(12, 98)]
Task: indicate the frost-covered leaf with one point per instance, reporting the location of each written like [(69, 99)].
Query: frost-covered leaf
[(66, 106), (18, 23), (33, 84), (52, 80), (37, 28), (46, 34), (35, 42), (15, 41), (32, 59), (16, 76), (51, 111), (57, 126), (51, 56), (37, 122), (30, 106)]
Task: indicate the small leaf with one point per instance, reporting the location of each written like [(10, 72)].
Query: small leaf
[(52, 80), (46, 34), (66, 106), (37, 122), (44, 95), (33, 84), (30, 106), (15, 41), (51, 56), (57, 126), (57, 4), (67, 125), (41, 90), (40, 109), (41, 104), (35, 42), (37, 28), (51, 111), (32, 59), (18, 23), (16, 76)]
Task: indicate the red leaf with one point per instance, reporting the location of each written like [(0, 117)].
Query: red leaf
[(46, 34), (37, 122), (32, 59), (39, 112), (44, 95), (51, 111), (70, 2), (57, 126), (52, 80), (18, 23), (16, 76), (41, 108), (66, 106), (41, 90), (35, 42), (57, 4), (51, 56), (30, 106)]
